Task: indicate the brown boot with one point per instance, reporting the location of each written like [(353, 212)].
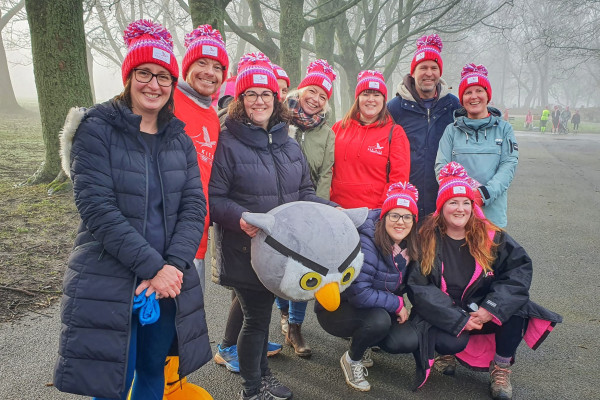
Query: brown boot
[(285, 317), (294, 338)]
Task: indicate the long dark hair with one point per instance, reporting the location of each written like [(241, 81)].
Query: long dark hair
[(164, 115), (384, 242), (281, 113)]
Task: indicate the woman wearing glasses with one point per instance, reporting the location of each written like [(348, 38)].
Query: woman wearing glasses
[(310, 108), (372, 311), (470, 295), (137, 189), (257, 167)]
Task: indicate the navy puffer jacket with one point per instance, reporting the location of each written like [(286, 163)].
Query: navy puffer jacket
[(381, 281), (253, 170), (109, 168)]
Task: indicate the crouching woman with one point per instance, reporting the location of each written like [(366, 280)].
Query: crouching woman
[(471, 294)]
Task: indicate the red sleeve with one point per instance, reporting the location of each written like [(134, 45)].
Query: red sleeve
[(399, 159)]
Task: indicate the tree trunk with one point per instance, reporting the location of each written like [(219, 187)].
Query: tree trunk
[(209, 12), (324, 45), (90, 68), (292, 27), (60, 69), (8, 101)]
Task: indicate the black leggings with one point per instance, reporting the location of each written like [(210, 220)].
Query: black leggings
[(368, 327), (508, 337), (252, 341), (235, 320)]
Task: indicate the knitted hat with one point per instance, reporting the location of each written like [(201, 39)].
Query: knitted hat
[(319, 73), (428, 48), (255, 70), (454, 182), (204, 42), (370, 79), (474, 75), (148, 42), (401, 195), (281, 74)]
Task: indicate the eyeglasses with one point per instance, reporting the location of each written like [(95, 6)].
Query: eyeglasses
[(144, 76), (406, 218), (251, 96)]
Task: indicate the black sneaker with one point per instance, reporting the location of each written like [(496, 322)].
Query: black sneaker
[(271, 386)]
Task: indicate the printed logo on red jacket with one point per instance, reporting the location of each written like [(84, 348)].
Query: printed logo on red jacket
[(376, 149)]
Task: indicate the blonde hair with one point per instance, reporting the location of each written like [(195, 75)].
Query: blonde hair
[(479, 243), (297, 93)]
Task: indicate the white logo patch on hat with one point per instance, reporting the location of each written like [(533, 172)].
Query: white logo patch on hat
[(260, 79), (472, 79), (281, 72), (402, 202), (209, 50), (326, 84), (160, 54), (373, 85), (420, 56), (459, 190)]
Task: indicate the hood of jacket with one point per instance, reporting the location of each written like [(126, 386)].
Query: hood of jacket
[(406, 89), (471, 126), (256, 136), (112, 112)]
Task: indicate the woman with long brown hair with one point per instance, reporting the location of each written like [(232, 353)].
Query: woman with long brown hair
[(470, 295)]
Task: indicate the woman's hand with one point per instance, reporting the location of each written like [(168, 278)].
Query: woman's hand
[(144, 285), (482, 315), (473, 324), (166, 283), (402, 315), (250, 230)]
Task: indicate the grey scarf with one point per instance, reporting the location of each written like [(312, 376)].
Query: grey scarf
[(202, 101)]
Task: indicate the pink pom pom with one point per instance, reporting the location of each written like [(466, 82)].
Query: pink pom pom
[(254, 58), (431, 40), (146, 27), (397, 188), (454, 170), (202, 31), (324, 66), (473, 69)]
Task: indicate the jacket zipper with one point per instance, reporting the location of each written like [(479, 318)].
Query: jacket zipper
[(279, 197)]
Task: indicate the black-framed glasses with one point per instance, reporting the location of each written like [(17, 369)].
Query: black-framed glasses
[(145, 76), (395, 217), (251, 96)]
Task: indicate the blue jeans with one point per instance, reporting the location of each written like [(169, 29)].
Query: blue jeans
[(296, 309), (149, 346)]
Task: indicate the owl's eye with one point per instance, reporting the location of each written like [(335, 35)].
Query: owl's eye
[(348, 275), (310, 281)]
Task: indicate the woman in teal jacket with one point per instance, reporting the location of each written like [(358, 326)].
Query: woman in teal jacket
[(481, 141)]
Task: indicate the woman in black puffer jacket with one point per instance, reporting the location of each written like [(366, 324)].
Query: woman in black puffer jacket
[(138, 191), (257, 167)]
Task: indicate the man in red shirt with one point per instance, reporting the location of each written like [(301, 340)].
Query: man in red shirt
[(204, 68)]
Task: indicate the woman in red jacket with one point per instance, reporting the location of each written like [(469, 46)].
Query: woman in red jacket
[(370, 149)]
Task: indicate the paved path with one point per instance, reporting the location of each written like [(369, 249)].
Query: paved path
[(554, 212)]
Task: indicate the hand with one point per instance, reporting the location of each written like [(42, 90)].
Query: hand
[(250, 230), (482, 315), (142, 286), (473, 325), (402, 315), (167, 282)]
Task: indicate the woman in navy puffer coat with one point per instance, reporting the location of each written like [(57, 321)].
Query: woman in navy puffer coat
[(138, 191), (372, 309)]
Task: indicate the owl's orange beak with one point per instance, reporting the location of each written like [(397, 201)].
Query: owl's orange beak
[(329, 296)]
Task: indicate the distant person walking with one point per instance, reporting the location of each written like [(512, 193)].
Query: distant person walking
[(544, 119), (555, 119), (576, 119), (528, 121)]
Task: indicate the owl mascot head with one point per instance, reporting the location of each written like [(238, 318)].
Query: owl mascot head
[(307, 250)]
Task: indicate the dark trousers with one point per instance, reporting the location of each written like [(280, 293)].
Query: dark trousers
[(368, 327), (508, 337), (235, 320), (252, 341)]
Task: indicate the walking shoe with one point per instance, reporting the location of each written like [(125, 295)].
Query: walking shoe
[(500, 387), (295, 339), (228, 357), (445, 364), (270, 386), (258, 396), (366, 360), (285, 318), (273, 348), (355, 372)]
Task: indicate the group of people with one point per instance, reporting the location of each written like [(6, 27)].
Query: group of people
[(153, 168), (560, 119)]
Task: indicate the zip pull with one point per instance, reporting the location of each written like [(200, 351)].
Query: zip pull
[(270, 138), (303, 133)]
